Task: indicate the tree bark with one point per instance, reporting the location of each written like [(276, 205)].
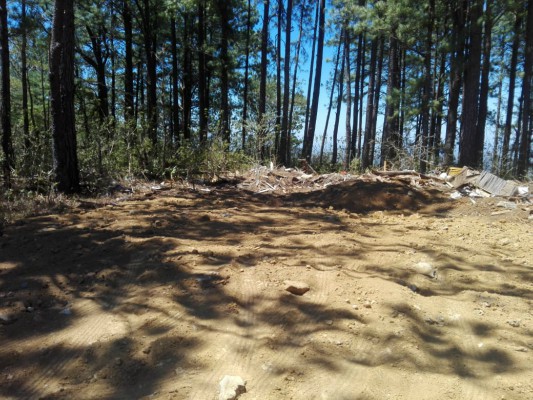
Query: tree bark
[(148, 16), (484, 89), (5, 101), (203, 100), (310, 134), (355, 125), (282, 149), (525, 132), (246, 73), (311, 71), (224, 70), (263, 77), (128, 63), (505, 156), (456, 75), (427, 95), (62, 97), (377, 95), (335, 145), (391, 139), (293, 90), (366, 160), (278, 79), (24, 75), (347, 76), (175, 84), (468, 143)]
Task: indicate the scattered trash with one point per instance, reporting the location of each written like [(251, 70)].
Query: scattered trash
[(496, 186), (456, 195), (486, 184), (507, 204)]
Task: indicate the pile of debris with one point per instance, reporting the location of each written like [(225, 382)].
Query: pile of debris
[(292, 180), (471, 183), (289, 180)]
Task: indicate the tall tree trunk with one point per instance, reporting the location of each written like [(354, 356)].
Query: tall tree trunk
[(62, 97), (391, 139), (468, 143), (358, 68), (187, 89), (525, 131), (202, 74), (456, 74), (436, 120), (5, 101), (112, 58), (330, 106), (505, 157), (129, 111), (497, 130), (175, 83), (377, 94), (282, 150), (426, 95), (310, 134), (347, 76), (366, 160), (335, 139), (361, 98), (311, 71), (403, 85), (516, 142), (278, 79), (263, 77), (24, 75), (246, 72), (484, 89), (224, 70), (335, 142), (293, 90), (148, 16), (44, 99)]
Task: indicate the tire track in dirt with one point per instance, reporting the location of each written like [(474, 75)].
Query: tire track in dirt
[(472, 348), (237, 344), (73, 341), (93, 324), (288, 355)]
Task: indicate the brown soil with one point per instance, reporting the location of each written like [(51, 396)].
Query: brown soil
[(159, 296)]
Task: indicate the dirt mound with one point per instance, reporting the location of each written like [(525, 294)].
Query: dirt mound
[(364, 197)]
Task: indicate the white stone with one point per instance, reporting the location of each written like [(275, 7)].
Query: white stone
[(426, 268), (231, 387)]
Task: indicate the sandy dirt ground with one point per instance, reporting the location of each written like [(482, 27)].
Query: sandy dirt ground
[(159, 296)]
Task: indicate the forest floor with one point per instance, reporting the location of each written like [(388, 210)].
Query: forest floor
[(159, 295)]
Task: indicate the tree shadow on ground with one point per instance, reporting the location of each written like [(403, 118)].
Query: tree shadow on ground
[(74, 277)]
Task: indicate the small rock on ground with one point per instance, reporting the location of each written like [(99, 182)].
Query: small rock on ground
[(231, 387), (297, 288)]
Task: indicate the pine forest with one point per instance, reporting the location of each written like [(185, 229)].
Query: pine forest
[(156, 88)]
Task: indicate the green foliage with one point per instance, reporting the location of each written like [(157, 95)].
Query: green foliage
[(210, 162)]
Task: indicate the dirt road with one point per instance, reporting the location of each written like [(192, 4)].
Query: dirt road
[(160, 296)]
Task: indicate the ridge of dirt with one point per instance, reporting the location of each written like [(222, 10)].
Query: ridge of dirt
[(158, 295)]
